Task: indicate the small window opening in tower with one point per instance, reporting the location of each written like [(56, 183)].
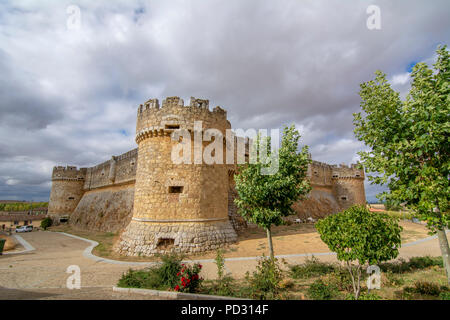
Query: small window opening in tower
[(172, 126), (335, 176), (344, 198), (175, 189), (71, 198), (358, 175)]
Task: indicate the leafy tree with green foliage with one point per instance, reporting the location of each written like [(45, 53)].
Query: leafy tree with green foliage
[(265, 199), (409, 143), (46, 223), (359, 236)]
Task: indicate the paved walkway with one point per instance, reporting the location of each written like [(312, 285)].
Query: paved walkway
[(41, 273)]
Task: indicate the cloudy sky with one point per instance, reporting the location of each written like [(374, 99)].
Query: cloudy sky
[(69, 88)]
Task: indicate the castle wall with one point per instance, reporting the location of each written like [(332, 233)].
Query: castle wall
[(162, 206), (119, 170), (104, 209)]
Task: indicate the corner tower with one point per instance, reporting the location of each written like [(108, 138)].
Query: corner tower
[(348, 185), (177, 207), (67, 189)]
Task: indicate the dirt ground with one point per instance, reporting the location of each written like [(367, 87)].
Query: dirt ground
[(294, 239), (10, 242)]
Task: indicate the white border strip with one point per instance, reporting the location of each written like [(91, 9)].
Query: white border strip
[(28, 247)]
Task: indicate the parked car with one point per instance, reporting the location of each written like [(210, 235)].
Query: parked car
[(24, 229)]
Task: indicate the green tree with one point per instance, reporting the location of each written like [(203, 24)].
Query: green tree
[(46, 223), (359, 236), (409, 143), (265, 199)]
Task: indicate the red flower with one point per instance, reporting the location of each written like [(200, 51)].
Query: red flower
[(178, 274), (177, 288), (200, 266)]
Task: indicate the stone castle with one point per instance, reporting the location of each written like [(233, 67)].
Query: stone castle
[(159, 206)]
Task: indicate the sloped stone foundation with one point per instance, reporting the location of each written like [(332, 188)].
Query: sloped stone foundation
[(149, 238)]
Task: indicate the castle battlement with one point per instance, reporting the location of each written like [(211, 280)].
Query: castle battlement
[(348, 172), (68, 173), (153, 120)]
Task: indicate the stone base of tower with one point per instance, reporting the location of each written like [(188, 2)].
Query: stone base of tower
[(149, 238)]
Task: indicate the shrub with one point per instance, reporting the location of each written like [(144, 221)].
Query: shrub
[(189, 280), (224, 283), (310, 268), (46, 223), (341, 279), (422, 288), (320, 290), (364, 296), (163, 276), (428, 288), (414, 263), (265, 281), (392, 279), (444, 295), (360, 236), (171, 265), (146, 279)]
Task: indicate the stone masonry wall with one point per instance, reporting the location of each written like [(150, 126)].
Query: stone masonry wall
[(104, 209)]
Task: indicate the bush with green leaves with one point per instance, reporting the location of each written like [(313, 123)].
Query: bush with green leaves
[(444, 295), (310, 268), (170, 266), (360, 237), (414, 263), (163, 276), (265, 282), (224, 282), (320, 290), (144, 279), (364, 296), (46, 223)]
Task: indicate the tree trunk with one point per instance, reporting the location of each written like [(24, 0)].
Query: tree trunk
[(269, 240), (443, 244)]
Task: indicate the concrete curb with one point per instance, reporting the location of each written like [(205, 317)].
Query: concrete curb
[(88, 253), (173, 294), (28, 247)]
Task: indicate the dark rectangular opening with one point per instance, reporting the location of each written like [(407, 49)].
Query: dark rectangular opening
[(176, 189), (71, 198), (344, 198), (165, 243), (172, 126)]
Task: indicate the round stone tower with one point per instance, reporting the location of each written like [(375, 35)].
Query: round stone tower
[(178, 206), (348, 185), (67, 190)]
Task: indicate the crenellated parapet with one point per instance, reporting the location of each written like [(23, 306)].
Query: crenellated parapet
[(68, 173), (153, 120), (348, 172)]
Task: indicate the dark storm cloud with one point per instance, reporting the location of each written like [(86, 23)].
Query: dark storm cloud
[(70, 96)]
